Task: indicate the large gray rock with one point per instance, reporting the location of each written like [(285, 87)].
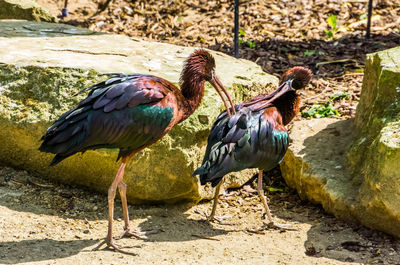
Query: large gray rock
[(352, 167), (374, 157), (315, 164), (40, 73), (24, 9)]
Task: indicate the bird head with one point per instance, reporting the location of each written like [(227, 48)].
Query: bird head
[(299, 75), (199, 67), (295, 78)]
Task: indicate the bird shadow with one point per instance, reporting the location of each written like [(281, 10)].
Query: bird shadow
[(69, 205), (177, 225), (179, 229), (13, 252), (76, 202)]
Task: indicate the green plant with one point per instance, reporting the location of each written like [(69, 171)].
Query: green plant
[(340, 95), (273, 189), (285, 50), (201, 39), (320, 111), (313, 52), (332, 21), (251, 44), (309, 52), (242, 35), (364, 16)]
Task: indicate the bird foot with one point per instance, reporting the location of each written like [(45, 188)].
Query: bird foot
[(270, 225), (219, 219), (139, 235), (111, 245), (211, 218)]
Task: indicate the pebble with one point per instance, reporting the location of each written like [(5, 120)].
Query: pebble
[(100, 24)]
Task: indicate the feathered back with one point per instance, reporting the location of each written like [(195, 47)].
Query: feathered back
[(121, 112)]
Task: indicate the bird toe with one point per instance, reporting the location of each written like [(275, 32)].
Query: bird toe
[(110, 244), (139, 234)]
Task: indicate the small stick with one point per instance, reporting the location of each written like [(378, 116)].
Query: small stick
[(205, 237), (39, 185)]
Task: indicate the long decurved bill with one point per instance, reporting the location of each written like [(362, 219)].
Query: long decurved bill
[(221, 89), (268, 99), (282, 89)]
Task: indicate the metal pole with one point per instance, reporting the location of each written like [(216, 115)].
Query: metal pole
[(64, 11), (236, 37), (369, 19)]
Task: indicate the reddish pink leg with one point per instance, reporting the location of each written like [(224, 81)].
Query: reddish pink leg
[(260, 190), (127, 230), (109, 241)]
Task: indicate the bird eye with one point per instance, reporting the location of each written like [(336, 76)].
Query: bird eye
[(296, 84), (208, 76), (212, 74)]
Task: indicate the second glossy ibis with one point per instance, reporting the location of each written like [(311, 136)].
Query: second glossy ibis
[(254, 137)]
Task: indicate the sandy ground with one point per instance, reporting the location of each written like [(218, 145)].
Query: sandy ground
[(49, 223)]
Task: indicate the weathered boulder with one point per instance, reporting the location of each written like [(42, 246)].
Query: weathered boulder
[(352, 167), (24, 9), (39, 75), (315, 164), (374, 157)]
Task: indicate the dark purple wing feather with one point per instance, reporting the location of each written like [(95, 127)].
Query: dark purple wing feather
[(246, 140), (118, 113)]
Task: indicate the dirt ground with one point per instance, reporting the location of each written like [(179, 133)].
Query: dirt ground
[(49, 223)]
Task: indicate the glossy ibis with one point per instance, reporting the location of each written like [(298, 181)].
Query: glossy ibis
[(254, 137), (130, 112)]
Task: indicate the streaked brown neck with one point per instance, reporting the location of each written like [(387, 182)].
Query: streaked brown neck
[(192, 80), (288, 105), (192, 90)]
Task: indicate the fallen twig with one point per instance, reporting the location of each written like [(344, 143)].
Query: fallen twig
[(205, 237), (39, 185)]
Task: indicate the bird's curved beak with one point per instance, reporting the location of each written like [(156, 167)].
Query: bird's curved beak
[(282, 89), (216, 83)]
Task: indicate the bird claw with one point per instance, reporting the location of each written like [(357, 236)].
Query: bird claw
[(111, 245), (139, 235), (211, 219), (270, 225), (219, 219)]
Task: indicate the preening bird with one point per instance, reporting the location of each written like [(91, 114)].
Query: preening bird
[(130, 112), (254, 137)]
